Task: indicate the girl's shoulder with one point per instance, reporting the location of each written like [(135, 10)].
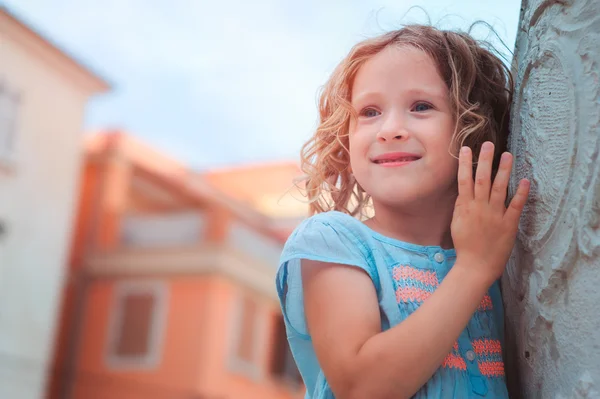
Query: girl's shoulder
[(331, 220), (332, 237), (329, 238), (331, 229)]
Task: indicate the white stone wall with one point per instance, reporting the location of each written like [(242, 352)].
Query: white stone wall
[(552, 285), (38, 188)]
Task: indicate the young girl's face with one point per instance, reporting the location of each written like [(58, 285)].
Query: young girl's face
[(399, 143)]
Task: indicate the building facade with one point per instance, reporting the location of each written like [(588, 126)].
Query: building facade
[(43, 95), (171, 286)]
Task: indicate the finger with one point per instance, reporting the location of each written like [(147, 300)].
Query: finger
[(484, 172), (465, 174), (500, 185), (515, 208)]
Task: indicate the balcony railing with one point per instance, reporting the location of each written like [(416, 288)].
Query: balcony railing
[(243, 239), (162, 230)]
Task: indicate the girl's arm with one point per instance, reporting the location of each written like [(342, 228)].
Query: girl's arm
[(342, 312), (360, 361)]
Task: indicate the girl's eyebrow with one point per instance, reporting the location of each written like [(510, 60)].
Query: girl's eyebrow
[(425, 92), (364, 96)]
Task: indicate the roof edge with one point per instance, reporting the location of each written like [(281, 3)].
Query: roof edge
[(98, 82)]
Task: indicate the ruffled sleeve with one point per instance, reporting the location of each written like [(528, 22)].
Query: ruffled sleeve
[(325, 238)]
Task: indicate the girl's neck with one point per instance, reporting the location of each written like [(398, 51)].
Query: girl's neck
[(425, 223)]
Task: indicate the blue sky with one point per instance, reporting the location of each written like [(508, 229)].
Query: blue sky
[(217, 83)]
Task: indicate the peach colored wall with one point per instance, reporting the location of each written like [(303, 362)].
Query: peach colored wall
[(200, 320), (87, 190), (195, 351), (217, 377), (116, 197), (104, 188), (180, 355)]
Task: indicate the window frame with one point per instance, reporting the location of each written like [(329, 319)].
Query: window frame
[(158, 324), (8, 149), (253, 369)]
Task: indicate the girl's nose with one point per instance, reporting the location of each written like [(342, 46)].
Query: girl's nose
[(393, 128)]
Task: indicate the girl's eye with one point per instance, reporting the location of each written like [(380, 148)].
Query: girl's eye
[(421, 107), (369, 112)]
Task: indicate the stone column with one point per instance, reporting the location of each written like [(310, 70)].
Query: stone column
[(552, 283)]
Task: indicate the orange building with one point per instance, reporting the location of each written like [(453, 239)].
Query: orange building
[(170, 290)]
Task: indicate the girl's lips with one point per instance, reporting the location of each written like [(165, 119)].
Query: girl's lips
[(391, 164), (395, 159)]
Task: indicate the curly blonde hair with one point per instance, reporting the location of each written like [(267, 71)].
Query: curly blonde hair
[(480, 86)]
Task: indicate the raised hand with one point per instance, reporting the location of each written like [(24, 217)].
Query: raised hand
[(483, 228)]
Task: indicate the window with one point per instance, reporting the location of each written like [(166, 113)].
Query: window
[(245, 346), (133, 336), (282, 363), (9, 102), (247, 328), (138, 320)]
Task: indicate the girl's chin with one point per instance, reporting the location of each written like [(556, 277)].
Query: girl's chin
[(402, 198), (397, 201)]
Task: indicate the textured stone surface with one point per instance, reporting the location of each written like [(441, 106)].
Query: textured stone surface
[(552, 284)]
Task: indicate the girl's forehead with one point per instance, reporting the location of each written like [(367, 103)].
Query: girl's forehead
[(394, 58), (403, 67)]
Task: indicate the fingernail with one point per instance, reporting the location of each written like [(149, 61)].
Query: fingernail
[(504, 158), (487, 146), (464, 150)]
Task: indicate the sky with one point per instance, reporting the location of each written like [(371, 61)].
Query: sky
[(229, 82)]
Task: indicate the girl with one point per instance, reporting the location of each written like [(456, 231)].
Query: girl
[(406, 303)]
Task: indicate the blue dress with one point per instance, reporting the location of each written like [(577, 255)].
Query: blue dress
[(404, 275)]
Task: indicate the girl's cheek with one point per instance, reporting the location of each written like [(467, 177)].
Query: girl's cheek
[(352, 125)]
